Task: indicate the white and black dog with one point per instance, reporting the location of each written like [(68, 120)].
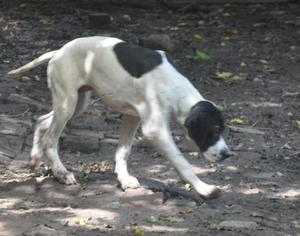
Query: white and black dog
[(140, 83)]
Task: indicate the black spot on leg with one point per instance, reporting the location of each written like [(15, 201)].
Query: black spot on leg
[(204, 124), (136, 60)]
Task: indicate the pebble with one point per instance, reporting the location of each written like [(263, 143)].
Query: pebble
[(158, 42)]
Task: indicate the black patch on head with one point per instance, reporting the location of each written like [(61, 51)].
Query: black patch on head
[(137, 60), (204, 124)]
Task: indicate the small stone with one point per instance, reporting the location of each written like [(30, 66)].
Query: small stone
[(237, 224), (158, 42), (100, 20)]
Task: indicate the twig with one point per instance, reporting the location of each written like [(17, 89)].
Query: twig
[(16, 115), (169, 191), (6, 155)]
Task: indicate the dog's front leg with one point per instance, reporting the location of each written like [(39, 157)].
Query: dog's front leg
[(159, 135), (127, 132)]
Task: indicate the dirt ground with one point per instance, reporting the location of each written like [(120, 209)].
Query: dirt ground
[(252, 73)]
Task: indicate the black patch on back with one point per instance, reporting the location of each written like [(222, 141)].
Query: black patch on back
[(136, 60), (204, 124)]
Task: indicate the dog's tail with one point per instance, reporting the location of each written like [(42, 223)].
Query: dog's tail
[(45, 57)]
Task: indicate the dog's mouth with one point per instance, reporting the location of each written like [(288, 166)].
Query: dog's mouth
[(218, 158)]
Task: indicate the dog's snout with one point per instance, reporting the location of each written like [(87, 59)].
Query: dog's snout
[(225, 153)]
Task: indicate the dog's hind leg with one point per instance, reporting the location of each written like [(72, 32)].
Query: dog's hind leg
[(64, 104), (43, 123), (37, 152), (127, 133)]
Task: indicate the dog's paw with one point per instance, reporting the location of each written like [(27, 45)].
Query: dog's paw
[(129, 182), (65, 177), (210, 192), (35, 162)]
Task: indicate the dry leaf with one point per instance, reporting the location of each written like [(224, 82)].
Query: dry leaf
[(138, 231), (80, 221), (238, 121)]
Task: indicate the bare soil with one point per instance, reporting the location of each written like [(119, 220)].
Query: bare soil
[(257, 44)]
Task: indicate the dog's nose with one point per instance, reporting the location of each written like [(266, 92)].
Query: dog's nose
[(225, 153)]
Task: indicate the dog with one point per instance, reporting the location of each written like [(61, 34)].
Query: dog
[(141, 83)]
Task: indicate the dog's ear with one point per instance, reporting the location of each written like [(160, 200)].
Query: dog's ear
[(204, 124), (195, 125)]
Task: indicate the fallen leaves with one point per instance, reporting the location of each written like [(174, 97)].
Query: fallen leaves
[(229, 76), (27, 78), (174, 219), (264, 67), (224, 75), (278, 173), (152, 219), (197, 36), (238, 120), (138, 231), (96, 167), (79, 221), (201, 55), (188, 187), (263, 61)]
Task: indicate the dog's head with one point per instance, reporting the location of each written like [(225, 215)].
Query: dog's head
[(205, 125)]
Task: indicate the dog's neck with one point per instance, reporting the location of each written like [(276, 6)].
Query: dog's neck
[(186, 101)]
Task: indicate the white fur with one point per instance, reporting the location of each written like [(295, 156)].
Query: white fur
[(151, 101)]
